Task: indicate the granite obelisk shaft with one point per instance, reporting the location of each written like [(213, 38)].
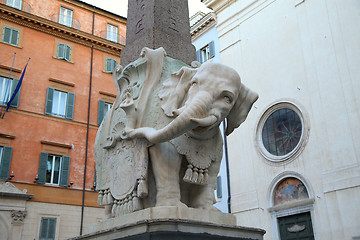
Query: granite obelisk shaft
[(158, 23)]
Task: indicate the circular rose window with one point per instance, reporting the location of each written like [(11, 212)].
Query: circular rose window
[(281, 132)]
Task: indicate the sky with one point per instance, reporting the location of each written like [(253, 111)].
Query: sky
[(120, 6)]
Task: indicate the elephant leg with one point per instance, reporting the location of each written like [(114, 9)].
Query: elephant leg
[(166, 163), (203, 195)]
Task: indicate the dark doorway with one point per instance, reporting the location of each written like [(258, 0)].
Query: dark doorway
[(297, 227)]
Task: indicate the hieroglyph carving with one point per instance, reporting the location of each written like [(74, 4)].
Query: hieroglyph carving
[(140, 6), (160, 144), (173, 17)]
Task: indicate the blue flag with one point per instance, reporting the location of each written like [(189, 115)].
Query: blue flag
[(17, 87)]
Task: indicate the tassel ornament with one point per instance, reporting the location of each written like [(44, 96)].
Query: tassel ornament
[(188, 174)]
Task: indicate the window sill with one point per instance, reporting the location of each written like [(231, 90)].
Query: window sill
[(58, 116), (72, 62), (17, 46)]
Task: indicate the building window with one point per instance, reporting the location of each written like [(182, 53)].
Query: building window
[(218, 188), (5, 160), (63, 52), (14, 3), (110, 65), (206, 52), (47, 228), (112, 33), (282, 132), (104, 107), (54, 169), (7, 88), (10, 36), (59, 103), (66, 16)]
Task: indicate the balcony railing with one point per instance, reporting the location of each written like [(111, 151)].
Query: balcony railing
[(113, 36), (65, 20), (22, 5)]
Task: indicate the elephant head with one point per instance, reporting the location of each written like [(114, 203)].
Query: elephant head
[(199, 100)]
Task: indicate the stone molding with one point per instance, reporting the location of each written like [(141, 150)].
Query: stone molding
[(177, 220), (50, 117), (244, 201), (282, 176), (55, 29), (7, 189), (341, 178), (293, 154), (203, 25), (18, 217)]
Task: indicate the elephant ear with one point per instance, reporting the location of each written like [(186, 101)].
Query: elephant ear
[(241, 108), (174, 90)]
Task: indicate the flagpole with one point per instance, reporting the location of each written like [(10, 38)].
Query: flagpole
[(6, 90)]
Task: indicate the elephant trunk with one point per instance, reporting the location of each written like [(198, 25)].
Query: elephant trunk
[(194, 115)]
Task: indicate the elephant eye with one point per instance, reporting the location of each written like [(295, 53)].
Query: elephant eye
[(227, 99)]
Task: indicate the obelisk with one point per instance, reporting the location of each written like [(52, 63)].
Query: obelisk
[(158, 23)]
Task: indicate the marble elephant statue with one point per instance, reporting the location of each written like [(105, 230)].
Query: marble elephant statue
[(168, 128)]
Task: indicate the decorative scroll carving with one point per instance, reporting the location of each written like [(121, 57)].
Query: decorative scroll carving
[(18, 217)]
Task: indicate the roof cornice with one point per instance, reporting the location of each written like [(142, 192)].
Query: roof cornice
[(217, 5), (61, 31), (204, 24)]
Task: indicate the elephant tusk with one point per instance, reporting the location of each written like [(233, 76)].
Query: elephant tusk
[(205, 122)]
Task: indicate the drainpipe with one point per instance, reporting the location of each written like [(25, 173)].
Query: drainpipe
[(227, 169), (87, 132)]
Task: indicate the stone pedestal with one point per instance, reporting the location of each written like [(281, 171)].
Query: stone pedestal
[(172, 223)]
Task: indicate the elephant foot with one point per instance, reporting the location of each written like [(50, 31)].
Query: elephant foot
[(170, 203)]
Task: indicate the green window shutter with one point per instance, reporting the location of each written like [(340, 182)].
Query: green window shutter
[(42, 167), (64, 176), (218, 187), (5, 162), (108, 65), (101, 111), (60, 51), (67, 54), (52, 228), (14, 37), (49, 100), (212, 49), (47, 228), (15, 102), (70, 105), (114, 65), (43, 228), (6, 35), (198, 56)]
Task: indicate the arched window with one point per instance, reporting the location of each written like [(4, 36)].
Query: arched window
[(289, 190)]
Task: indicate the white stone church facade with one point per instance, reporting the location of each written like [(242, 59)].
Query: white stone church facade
[(295, 162)]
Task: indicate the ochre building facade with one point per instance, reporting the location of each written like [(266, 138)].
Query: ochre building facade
[(47, 166)]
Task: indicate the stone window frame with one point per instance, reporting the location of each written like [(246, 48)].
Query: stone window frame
[(305, 121), (12, 26), (43, 214), (292, 208), (67, 43)]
